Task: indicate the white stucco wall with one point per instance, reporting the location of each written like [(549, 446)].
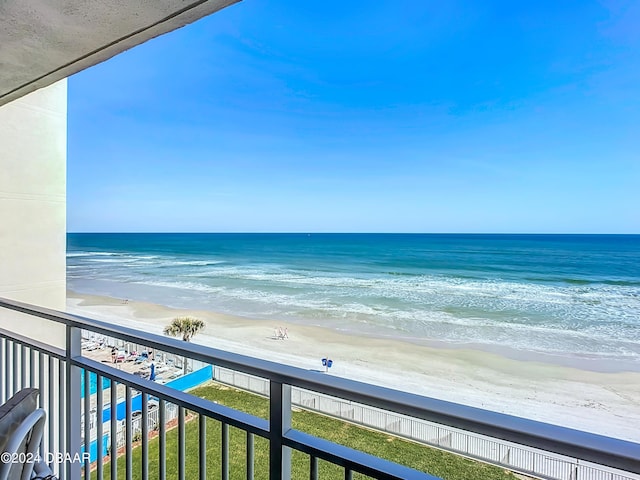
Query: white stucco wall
[(33, 154)]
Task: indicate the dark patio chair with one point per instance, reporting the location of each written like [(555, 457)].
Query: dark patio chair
[(21, 429)]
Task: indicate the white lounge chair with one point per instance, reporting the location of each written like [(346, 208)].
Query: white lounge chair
[(90, 345)]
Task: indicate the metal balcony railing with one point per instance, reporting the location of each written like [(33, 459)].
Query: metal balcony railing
[(76, 414)]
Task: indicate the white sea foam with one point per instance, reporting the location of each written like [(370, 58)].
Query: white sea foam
[(198, 263), (572, 318)]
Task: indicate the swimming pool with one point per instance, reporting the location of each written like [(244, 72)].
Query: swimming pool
[(93, 383)]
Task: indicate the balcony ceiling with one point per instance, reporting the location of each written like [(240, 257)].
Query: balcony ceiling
[(43, 41)]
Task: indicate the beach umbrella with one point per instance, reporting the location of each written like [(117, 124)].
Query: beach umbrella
[(152, 375), (327, 363)]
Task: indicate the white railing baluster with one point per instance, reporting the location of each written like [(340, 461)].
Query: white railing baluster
[(7, 370), (14, 364), (3, 377)]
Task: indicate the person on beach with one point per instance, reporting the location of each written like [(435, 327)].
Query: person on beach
[(114, 354)]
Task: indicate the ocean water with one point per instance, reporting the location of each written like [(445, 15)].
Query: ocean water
[(573, 296)]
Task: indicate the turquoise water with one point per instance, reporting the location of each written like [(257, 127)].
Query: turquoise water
[(93, 383), (572, 295)]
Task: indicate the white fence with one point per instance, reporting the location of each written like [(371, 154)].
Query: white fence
[(153, 418), (153, 422), (518, 458)]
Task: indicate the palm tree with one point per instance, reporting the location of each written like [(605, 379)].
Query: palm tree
[(185, 327)]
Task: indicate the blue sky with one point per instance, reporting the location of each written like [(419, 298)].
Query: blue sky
[(386, 116)]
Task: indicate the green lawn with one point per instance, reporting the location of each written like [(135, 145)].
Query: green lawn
[(436, 462)]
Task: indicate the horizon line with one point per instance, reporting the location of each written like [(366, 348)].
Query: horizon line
[(338, 233)]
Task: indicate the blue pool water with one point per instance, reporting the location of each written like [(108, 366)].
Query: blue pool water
[(93, 383)]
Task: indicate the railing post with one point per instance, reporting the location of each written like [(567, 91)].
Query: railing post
[(74, 408), (2, 379), (279, 424)]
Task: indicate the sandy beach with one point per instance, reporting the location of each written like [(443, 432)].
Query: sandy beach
[(606, 403)]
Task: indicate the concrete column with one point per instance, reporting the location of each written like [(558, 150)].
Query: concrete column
[(33, 156)]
